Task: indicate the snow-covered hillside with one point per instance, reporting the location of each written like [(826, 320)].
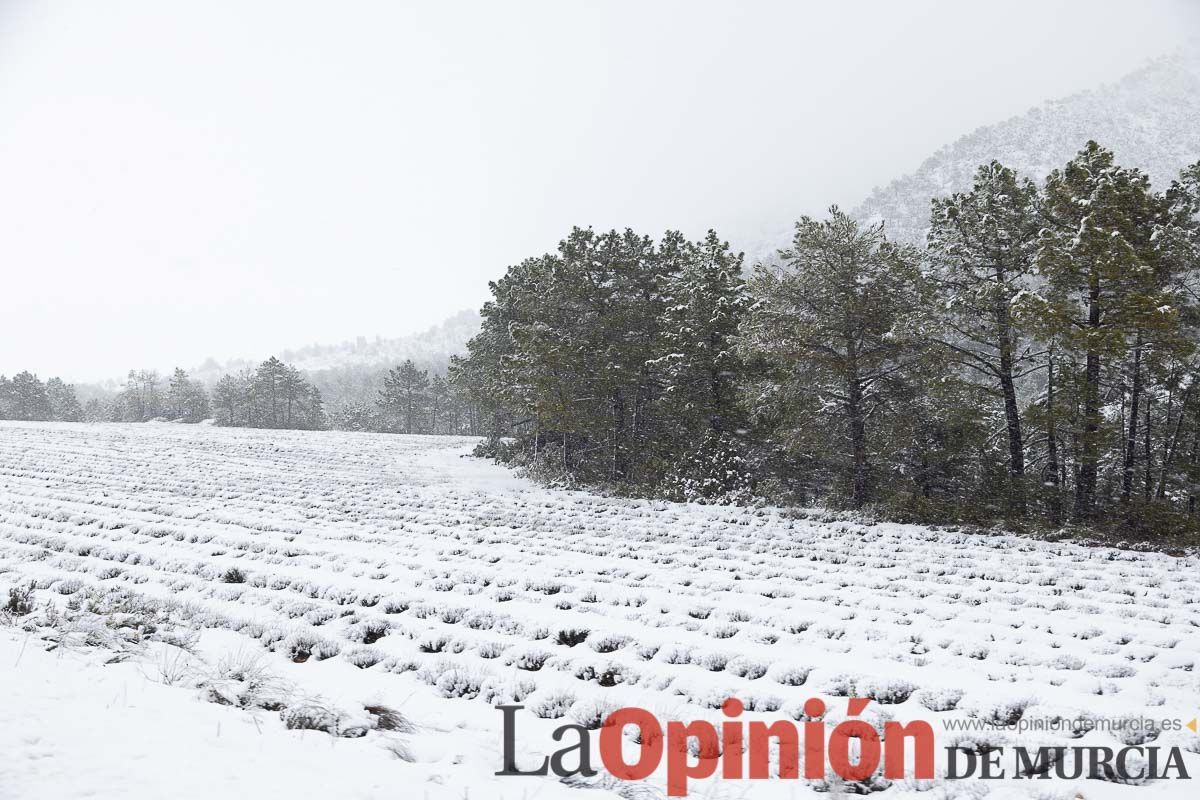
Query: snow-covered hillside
[(431, 348), (212, 592), (1150, 119)]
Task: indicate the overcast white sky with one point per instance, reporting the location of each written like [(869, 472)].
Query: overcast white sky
[(180, 180)]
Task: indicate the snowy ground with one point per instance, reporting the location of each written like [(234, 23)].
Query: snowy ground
[(198, 588)]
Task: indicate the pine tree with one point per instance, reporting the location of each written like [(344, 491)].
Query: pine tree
[(186, 400), (441, 407), (702, 368), (268, 393), (830, 318), (982, 245), (1109, 290), (403, 402), (295, 395), (61, 403), (28, 398), (141, 399), (6, 398)]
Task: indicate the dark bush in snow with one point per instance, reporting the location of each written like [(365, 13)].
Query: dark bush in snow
[(389, 719), (233, 575), (531, 660), (571, 636)]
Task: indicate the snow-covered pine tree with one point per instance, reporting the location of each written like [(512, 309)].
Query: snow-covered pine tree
[(61, 403), (830, 320), (981, 247), (1111, 291), (404, 400)]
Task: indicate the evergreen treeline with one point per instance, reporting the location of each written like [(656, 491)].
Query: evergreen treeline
[(26, 397), (1035, 361), (275, 395), (412, 401)]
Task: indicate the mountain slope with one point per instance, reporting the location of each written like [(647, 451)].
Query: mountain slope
[(1150, 119), (431, 348)]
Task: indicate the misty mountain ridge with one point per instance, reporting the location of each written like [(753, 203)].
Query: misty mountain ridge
[(431, 348), (1150, 119)]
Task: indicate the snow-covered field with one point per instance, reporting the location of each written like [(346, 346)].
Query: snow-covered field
[(231, 613)]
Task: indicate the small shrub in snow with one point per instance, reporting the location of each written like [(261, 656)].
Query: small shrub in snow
[(886, 690), (591, 713), (459, 683), (399, 666), (364, 657), (498, 693), (1066, 661), (1114, 671), (233, 575), (764, 703), (1003, 713), (676, 655), (529, 660), (606, 675), (1134, 731), (609, 643), (452, 616), (490, 649), (724, 631), (480, 621), (746, 668), (395, 605), (20, 601), (368, 631), (319, 616), (571, 636), (838, 787), (940, 699), (554, 705), (310, 716), (713, 662), (840, 685), (978, 742), (875, 716), (646, 651), (792, 676), (389, 719), (302, 645), (435, 643)]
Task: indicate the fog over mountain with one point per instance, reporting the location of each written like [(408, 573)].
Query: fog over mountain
[(431, 348), (1150, 119)]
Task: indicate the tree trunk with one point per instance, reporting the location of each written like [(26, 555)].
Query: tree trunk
[(617, 468), (860, 486), (1172, 444), (1192, 463), (1052, 446), (1147, 448), (1085, 484), (1131, 440), (1012, 413)]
